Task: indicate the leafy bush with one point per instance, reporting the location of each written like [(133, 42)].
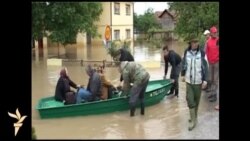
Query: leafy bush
[(116, 45)]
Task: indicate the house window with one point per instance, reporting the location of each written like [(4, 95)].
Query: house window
[(128, 33), (117, 34), (127, 9), (117, 8)]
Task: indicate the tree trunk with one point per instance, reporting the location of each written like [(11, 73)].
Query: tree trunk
[(88, 38), (40, 43)]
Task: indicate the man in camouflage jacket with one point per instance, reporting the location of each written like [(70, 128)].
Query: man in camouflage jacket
[(137, 75)]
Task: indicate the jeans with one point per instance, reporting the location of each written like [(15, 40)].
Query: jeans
[(83, 95)]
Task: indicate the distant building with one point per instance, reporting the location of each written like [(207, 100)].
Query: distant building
[(166, 19)]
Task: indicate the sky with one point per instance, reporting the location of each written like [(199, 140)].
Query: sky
[(140, 7)]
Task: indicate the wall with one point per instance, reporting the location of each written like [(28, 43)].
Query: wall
[(105, 19), (122, 22)]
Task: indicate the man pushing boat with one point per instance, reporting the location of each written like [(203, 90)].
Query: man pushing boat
[(134, 73)]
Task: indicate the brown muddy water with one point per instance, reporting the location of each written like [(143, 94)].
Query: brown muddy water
[(166, 120)]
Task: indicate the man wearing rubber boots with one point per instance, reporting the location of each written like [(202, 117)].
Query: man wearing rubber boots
[(174, 59), (194, 72), (134, 73)]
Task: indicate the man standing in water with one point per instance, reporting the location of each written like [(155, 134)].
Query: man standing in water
[(212, 52), (124, 55), (134, 73), (175, 60), (194, 72)]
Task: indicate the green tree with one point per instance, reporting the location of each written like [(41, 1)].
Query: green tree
[(62, 21), (38, 16), (38, 24), (145, 22), (193, 18)]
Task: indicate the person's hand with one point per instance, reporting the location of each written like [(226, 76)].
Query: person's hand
[(120, 84), (204, 84), (113, 88), (172, 80), (183, 79), (119, 88), (64, 101), (78, 86)]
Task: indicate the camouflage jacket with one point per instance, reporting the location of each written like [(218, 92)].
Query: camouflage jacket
[(133, 73)]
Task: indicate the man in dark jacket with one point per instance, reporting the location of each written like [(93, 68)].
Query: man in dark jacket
[(94, 84), (175, 60), (63, 86), (124, 55)]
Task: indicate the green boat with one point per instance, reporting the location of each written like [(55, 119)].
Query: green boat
[(49, 108)]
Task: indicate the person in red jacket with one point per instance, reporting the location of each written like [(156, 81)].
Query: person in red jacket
[(212, 52)]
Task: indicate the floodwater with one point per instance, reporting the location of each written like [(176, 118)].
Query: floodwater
[(166, 120)]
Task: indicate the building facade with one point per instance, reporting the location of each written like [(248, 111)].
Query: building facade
[(119, 16)]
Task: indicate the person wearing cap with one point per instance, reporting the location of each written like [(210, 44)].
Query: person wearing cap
[(212, 52), (134, 73), (204, 42), (194, 73), (174, 59), (63, 86)]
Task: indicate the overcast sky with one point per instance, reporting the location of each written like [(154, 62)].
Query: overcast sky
[(140, 7)]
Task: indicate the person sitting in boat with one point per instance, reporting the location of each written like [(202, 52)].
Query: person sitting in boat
[(63, 92), (94, 84), (83, 95), (106, 86), (134, 73)]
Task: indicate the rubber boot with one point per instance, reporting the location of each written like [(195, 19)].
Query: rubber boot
[(132, 111), (176, 93), (192, 123), (171, 91), (196, 115), (142, 109)]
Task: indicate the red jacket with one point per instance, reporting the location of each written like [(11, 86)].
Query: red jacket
[(212, 50)]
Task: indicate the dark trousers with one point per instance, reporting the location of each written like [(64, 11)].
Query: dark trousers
[(137, 92), (214, 80), (193, 95), (175, 86)]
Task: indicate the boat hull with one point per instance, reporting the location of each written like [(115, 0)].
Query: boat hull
[(49, 108)]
